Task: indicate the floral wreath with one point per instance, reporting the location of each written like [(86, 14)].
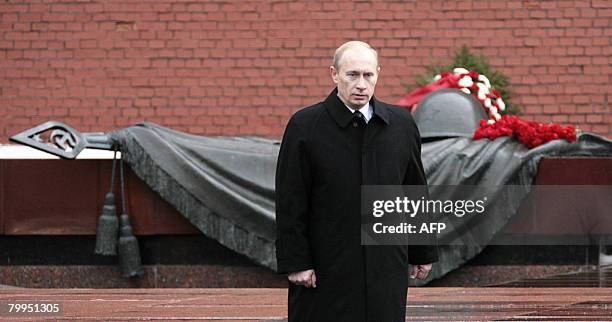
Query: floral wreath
[(470, 82), (529, 133)]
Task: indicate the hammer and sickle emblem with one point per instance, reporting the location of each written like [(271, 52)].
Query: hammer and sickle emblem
[(62, 139)]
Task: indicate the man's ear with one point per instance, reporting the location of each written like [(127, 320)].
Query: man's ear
[(334, 74)]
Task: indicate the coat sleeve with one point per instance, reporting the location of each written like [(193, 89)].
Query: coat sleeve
[(293, 183), (415, 175)]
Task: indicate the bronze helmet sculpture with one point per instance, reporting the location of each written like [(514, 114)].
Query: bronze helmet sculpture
[(447, 113)]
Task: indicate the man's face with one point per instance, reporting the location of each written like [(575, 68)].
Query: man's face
[(356, 76)]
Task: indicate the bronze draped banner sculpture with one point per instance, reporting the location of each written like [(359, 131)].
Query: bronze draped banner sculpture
[(225, 185)]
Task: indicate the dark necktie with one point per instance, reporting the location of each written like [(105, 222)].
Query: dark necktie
[(358, 119)]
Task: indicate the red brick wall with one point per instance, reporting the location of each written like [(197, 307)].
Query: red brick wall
[(242, 67)]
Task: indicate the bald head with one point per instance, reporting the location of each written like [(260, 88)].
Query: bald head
[(352, 45)]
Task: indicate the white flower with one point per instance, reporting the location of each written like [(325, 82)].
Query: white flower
[(465, 90), (460, 70), (482, 91), (497, 116), (500, 104), (466, 81), (488, 104), (485, 80), (493, 110), (437, 77), (491, 121)]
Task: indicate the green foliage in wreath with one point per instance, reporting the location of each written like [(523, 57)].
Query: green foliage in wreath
[(464, 58)]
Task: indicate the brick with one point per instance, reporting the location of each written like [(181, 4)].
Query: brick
[(604, 13), (594, 118), (533, 42), (550, 109), (559, 118), (580, 99)]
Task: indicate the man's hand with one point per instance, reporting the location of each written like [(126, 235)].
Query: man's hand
[(306, 278), (420, 271)]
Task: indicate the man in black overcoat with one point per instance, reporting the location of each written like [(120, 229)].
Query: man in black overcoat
[(328, 151)]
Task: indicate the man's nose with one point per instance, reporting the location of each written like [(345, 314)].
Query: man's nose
[(361, 83)]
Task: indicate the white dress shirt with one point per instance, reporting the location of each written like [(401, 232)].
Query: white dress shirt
[(366, 110)]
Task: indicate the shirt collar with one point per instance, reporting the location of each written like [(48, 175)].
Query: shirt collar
[(343, 116), (365, 110)]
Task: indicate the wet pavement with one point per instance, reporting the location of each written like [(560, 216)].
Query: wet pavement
[(424, 304), (510, 304), (580, 296), (590, 277)]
